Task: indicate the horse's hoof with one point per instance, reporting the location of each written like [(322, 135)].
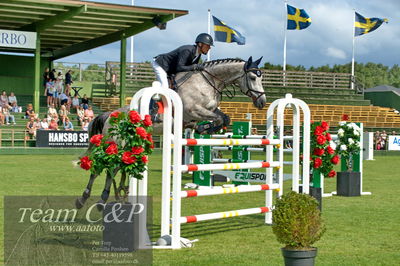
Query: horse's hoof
[(79, 202), (100, 205)]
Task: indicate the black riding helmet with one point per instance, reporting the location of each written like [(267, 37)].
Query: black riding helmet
[(205, 38)]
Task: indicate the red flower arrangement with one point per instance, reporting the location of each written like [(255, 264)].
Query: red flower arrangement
[(126, 147), (323, 155)]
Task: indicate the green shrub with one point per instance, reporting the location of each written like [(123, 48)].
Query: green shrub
[(297, 221)]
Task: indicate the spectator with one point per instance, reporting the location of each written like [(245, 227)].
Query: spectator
[(89, 113), (85, 124), (394, 133), (44, 125), (12, 101), (45, 79), (53, 125), (50, 92), (68, 81), (52, 113), (80, 114), (9, 118), (3, 99), (75, 103), (31, 127), (2, 117), (63, 113), (29, 111), (59, 88), (85, 102), (63, 98), (52, 75), (68, 125), (384, 137)]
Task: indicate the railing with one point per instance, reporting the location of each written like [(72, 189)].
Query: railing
[(13, 136), (82, 71)]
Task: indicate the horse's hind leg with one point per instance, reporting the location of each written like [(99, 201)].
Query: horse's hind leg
[(106, 193), (86, 194)]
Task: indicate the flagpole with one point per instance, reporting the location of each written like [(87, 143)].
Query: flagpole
[(352, 58), (209, 32), (284, 47)]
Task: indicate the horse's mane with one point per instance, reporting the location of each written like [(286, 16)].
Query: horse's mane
[(222, 61)]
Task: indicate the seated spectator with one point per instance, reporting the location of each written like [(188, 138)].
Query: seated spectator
[(12, 101), (3, 99), (63, 98), (75, 103), (63, 113), (52, 113), (44, 125), (68, 125), (85, 124), (53, 125), (80, 114), (29, 112), (9, 118), (31, 127), (2, 117), (85, 102), (89, 113)]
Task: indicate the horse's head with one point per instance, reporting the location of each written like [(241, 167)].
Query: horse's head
[(251, 83)]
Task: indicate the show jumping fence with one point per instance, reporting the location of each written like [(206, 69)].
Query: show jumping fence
[(172, 136)]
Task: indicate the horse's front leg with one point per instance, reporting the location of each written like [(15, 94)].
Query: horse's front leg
[(86, 194)]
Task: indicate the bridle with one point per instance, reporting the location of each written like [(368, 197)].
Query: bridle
[(231, 94)]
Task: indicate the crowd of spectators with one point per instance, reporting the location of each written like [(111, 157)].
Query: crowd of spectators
[(381, 139), (8, 106)]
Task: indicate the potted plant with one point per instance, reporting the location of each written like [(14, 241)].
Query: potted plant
[(323, 158), (348, 146), (297, 224)]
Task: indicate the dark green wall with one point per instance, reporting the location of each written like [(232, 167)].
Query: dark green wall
[(16, 73), (384, 99)]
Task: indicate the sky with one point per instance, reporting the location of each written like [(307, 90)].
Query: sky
[(328, 40)]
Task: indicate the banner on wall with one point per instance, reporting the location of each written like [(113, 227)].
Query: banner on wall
[(394, 143), (62, 139), (18, 39)]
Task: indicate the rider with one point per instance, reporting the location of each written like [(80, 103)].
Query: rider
[(184, 58)]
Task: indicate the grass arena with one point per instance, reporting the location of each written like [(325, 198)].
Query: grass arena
[(360, 230)]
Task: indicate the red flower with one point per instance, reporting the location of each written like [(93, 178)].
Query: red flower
[(152, 146), (141, 132), (112, 148), (145, 159), (318, 131), (332, 173), (96, 139), (319, 152), (137, 150), (321, 139), (86, 163), (317, 163), (335, 159), (134, 117), (128, 158), (147, 121), (330, 150), (328, 136), (345, 117), (115, 114), (324, 125), (150, 138)]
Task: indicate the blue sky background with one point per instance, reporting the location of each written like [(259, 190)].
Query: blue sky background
[(328, 40)]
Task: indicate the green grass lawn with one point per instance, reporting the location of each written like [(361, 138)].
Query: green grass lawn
[(360, 230)]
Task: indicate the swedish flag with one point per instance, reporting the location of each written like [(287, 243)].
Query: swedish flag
[(224, 33), (366, 25), (298, 19)]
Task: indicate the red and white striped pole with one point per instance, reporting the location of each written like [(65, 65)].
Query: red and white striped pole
[(228, 166), (229, 142)]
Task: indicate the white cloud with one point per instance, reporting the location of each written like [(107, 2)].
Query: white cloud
[(336, 53)]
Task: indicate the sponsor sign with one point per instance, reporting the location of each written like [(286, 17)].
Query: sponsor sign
[(256, 177), (394, 143), (18, 39), (62, 139)]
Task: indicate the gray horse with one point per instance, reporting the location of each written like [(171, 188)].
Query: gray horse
[(201, 93)]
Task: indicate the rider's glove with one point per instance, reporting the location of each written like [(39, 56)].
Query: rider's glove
[(199, 67)]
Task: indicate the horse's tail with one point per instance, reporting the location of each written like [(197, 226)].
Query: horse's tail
[(95, 127)]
